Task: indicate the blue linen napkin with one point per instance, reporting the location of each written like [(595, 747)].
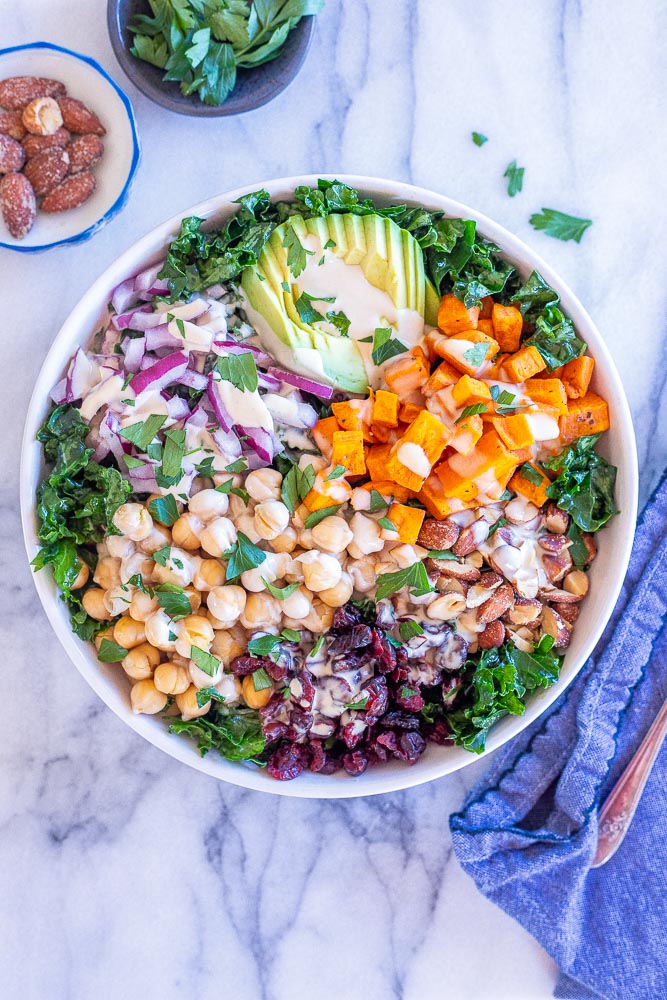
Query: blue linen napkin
[(527, 833)]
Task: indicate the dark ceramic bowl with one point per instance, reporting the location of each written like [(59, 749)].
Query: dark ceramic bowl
[(254, 87)]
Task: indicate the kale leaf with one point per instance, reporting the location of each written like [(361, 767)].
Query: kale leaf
[(585, 484), (554, 334), (235, 733)]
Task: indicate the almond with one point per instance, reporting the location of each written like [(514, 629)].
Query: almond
[(471, 538), (11, 155), (80, 119), (46, 170), (84, 152), (438, 535), (17, 91), (35, 144), (42, 116), (11, 124), (18, 205), (499, 602), (70, 194), (492, 636)]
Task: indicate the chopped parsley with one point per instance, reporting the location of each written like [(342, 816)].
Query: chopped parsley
[(414, 577), (409, 630), (242, 556), (478, 138), (205, 661), (240, 370), (384, 346), (559, 225), (164, 509), (470, 411), (319, 515), (142, 433), (514, 176)]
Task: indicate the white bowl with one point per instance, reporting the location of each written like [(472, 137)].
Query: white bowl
[(87, 81), (607, 572)]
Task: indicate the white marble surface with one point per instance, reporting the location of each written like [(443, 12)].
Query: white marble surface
[(122, 873)]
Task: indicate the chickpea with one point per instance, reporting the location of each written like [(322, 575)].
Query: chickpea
[(179, 568), (230, 688), (128, 633), (226, 646), (446, 607), (195, 630), (138, 564), (146, 699), (194, 598), (318, 620), (275, 566), (320, 571), (261, 611), (367, 535), (207, 505), (93, 604), (107, 573), (105, 633), (226, 604), (264, 484), (305, 536), (405, 555), (318, 462), (171, 679), (81, 577), (363, 574), (208, 574), (186, 531), (200, 678), (576, 582), (271, 518), (133, 520), (252, 697), (119, 546), (332, 534), (298, 604), (336, 597), (237, 507), (218, 536), (142, 606), (158, 538), (187, 704), (159, 627), (141, 661), (285, 542), (246, 524)]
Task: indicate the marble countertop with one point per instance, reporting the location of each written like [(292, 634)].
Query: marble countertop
[(124, 873)]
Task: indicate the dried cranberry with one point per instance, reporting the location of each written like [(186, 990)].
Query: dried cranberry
[(401, 720), (273, 707), (345, 617), (243, 665), (377, 698), (352, 734), (288, 761), (387, 740), (320, 760), (353, 639), (440, 733), (410, 747), (383, 651), (306, 695), (409, 698), (351, 661), (276, 671), (299, 724), (274, 731), (355, 763)]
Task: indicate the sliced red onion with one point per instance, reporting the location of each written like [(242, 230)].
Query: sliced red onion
[(145, 484), (123, 296), (268, 382), (159, 287), (59, 392), (228, 443), (198, 417), (135, 349), (109, 429), (193, 380), (305, 384), (177, 408), (260, 440), (233, 347), (123, 321), (139, 319), (159, 337), (219, 408), (82, 375), (109, 340), (145, 280), (164, 372), (215, 291)]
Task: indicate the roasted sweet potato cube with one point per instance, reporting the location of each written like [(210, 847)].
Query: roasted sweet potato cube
[(485, 326), (323, 433), (465, 351), (348, 451), (385, 408), (467, 434), (588, 415), (455, 485), (514, 431), (429, 434), (577, 376), (531, 483), (376, 461), (354, 415), (507, 327), (453, 316), (401, 473), (548, 391), (388, 489), (445, 374), (407, 372), (432, 495), (468, 391), (407, 521), (523, 364), (407, 412), (486, 312)]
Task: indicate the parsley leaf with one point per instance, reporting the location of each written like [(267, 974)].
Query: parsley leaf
[(296, 254), (261, 680), (240, 370), (162, 555), (470, 411), (476, 355), (306, 312), (514, 176), (205, 661), (296, 486), (478, 138), (142, 433), (242, 556), (340, 321), (281, 593), (164, 509), (388, 525), (384, 347), (111, 652), (319, 515), (378, 502), (531, 474), (559, 225), (204, 695), (173, 600), (414, 577), (339, 471), (409, 630), (170, 471)]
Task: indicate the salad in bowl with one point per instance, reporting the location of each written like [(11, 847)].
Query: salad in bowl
[(325, 484)]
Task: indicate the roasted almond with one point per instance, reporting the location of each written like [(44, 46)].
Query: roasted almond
[(492, 636), (17, 91), (36, 144), (71, 193), (42, 116), (500, 600), (11, 155), (84, 152), (18, 204), (80, 119), (438, 535), (11, 123), (46, 170)]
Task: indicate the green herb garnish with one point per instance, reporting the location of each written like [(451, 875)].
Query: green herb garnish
[(559, 225), (319, 515), (242, 556), (514, 176), (478, 138), (414, 577), (409, 630), (205, 661), (470, 411), (384, 346), (111, 652), (164, 509), (142, 433), (240, 370)]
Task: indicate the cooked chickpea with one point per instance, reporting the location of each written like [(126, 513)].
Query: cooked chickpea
[(107, 573), (226, 646), (81, 578), (317, 620), (159, 627), (367, 536), (298, 604), (200, 678), (119, 546), (137, 564), (146, 699), (93, 604), (261, 611), (218, 536), (336, 597), (187, 704), (576, 582), (332, 534), (128, 633), (405, 555), (208, 574), (264, 484), (186, 531), (246, 524), (252, 697), (320, 571), (141, 661), (275, 566), (104, 633), (237, 507), (207, 505), (445, 607), (142, 606), (285, 542), (363, 574), (133, 520), (195, 630), (229, 687), (226, 604), (271, 517), (179, 568), (158, 538), (171, 679), (194, 598)]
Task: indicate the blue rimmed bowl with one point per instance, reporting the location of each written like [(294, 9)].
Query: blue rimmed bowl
[(86, 80)]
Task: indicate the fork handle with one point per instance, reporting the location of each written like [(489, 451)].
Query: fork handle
[(617, 813)]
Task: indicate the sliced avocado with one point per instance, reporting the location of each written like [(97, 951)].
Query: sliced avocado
[(391, 260), (431, 303)]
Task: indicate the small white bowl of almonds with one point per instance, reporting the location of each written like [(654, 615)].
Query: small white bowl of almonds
[(66, 165)]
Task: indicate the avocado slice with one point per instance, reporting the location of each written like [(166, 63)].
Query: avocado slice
[(391, 260)]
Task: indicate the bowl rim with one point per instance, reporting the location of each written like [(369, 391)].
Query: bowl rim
[(197, 109), (85, 234), (387, 779)]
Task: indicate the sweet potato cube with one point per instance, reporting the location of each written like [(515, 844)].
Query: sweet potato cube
[(432, 495), (467, 434), (523, 364), (432, 338), (407, 412), (469, 391), (453, 316), (387, 489), (348, 451), (385, 408), (376, 462), (507, 327), (522, 483), (485, 326), (489, 465), (514, 431), (401, 474), (445, 374), (486, 312), (465, 351), (327, 493), (577, 376), (548, 391), (354, 415), (588, 415), (455, 485), (428, 433), (323, 433), (385, 434), (408, 372), (407, 520)]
